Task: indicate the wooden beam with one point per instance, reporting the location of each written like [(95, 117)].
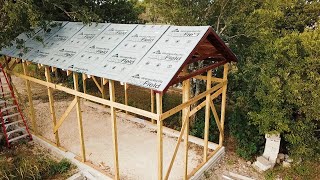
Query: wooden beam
[(152, 104), (223, 102), (103, 89), (159, 136), (65, 115), (213, 79), (105, 81), (84, 83), (90, 97), (97, 83), (31, 107), (79, 116), (51, 104), (185, 117), (207, 119), (69, 72), (126, 95), (114, 130)]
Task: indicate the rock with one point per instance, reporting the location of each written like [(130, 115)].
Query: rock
[(249, 163), (286, 156), (286, 164), (262, 164), (281, 156), (278, 161), (289, 160)]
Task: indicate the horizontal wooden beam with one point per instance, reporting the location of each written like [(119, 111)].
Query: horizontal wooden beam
[(213, 79), (90, 97)]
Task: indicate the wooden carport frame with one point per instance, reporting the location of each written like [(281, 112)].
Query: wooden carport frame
[(218, 53)]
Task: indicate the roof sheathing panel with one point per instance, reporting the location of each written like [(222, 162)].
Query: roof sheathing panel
[(127, 55), (149, 56), (64, 54), (90, 58), (41, 54), (164, 59)]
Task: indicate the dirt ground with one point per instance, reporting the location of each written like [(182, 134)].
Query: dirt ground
[(137, 144)]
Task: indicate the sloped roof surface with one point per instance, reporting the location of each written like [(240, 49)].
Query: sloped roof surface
[(144, 55)]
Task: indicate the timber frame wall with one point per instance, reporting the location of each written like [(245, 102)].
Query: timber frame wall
[(214, 88)]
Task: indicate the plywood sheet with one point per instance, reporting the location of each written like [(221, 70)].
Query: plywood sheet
[(34, 42), (40, 55), (92, 55), (164, 59), (63, 55), (129, 52)]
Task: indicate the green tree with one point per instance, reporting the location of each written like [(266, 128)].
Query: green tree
[(19, 16), (274, 87)]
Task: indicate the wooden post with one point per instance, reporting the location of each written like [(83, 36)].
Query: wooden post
[(79, 116), (114, 129), (207, 118), (31, 107), (159, 136), (51, 103), (103, 89), (223, 103), (185, 117), (84, 83), (152, 104), (126, 95)]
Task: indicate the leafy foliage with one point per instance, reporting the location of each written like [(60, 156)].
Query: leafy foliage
[(24, 15), (275, 86)]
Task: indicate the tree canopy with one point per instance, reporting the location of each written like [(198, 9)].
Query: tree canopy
[(274, 88), (19, 16)]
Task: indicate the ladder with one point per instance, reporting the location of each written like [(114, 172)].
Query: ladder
[(14, 126)]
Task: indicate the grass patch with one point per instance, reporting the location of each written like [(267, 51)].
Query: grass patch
[(28, 161), (308, 170)]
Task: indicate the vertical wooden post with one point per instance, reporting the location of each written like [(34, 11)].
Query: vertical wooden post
[(114, 129), (159, 136), (126, 95), (31, 107), (79, 117), (185, 98), (223, 102), (207, 118), (84, 83), (152, 104), (51, 103), (103, 88)]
